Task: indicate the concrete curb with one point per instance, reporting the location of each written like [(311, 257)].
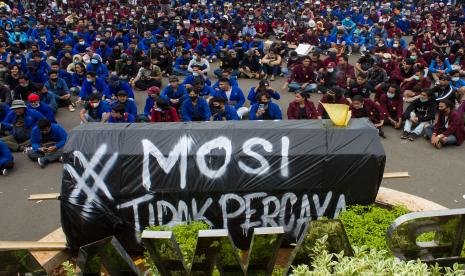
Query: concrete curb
[(411, 202)]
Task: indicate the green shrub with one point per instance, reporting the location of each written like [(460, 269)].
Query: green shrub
[(366, 262), (367, 225)]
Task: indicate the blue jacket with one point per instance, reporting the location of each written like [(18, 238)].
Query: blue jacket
[(57, 134), (207, 91), (45, 110), (149, 103), (208, 51), (229, 114), (59, 89), (273, 109), (122, 85), (50, 99), (236, 98), (103, 107), (77, 80), (201, 111), (100, 69), (181, 61), (30, 120), (433, 67), (252, 97), (168, 92), (100, 86), (129, 106), (232, 80), (190, 80), (5, 154), (127, 118), (4, 110)]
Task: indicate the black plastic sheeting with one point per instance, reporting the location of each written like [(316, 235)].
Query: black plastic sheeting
[(120, 178)]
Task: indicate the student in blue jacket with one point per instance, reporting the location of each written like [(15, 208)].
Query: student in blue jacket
[(174, 92), (195, 108), (118, 115), (93, 85), (233, 96), (265, 109), (129, 104), (35, 104), (263, 86), (6, 159), (221, 111), (47, 142)]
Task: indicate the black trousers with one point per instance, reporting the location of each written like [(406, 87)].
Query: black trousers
[(8, 165)]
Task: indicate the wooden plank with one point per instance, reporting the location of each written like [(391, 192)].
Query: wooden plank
[(396, 175), (32, 245), (51, 196), (52, 259)]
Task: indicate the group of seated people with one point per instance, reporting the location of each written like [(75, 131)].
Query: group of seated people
[(95, 56)]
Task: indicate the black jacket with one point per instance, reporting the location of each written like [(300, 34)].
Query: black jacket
[(425, 111)]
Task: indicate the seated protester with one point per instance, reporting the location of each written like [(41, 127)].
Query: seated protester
[(230, 61), (448, 129), (77, 78), (333, 96), (175, 92), (264, 109), (163, 112), (250, 66), (302, 77), (233, 96), (24, 88), (327, 78), (419, 80), (129, 104), (153, 93), (47, 140), (206, 49), (344, 71), (6, 159), (204, 90), (47, 97), (71, 68), (181, 64), (95, 110), (195, 75), (439, 66), (457, 84), (376, 75), (292, 61), (408, 68), (443, 90), (115, 84), (4, 110), (118, 115), (129, 68), (201, 62), (419, 113), (44, 109), (221, 111), (93, 85), (60, 90), (98, 67), (271, 65), (366, 108), (263, 86), (148, 75), (19, 123), (62, 74), (5, 94), (359, 87), (227, 73), (392, 105), (301, 108), (195, 108), (12, 76)]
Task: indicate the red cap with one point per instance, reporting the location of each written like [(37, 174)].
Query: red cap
[(205, 41), (153, 90), (33, 98), (332, 64)]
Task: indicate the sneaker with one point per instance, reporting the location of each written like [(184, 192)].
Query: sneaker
[(5, 172), (41, 162), (71, 108), (405, 135), (412, 136)]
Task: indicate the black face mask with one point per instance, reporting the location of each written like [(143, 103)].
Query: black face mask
[(193, 98)]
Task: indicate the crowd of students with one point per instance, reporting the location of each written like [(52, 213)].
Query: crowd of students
[(94, 55)]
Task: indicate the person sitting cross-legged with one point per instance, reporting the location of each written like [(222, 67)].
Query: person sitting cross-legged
[(448, 129), (47, 140), (6, 159)]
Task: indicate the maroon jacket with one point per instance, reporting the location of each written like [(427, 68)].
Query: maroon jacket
[(164, 116), (293, 112), (455, 126), (300, 74), (392, 108), (321, 110), (370, 109)]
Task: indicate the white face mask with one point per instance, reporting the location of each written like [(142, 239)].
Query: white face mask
[(455, 79), (95, 105), (330, 70), (35, 104), (391, 95)]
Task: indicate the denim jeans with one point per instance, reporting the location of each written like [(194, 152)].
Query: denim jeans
[(271, 70), (293, 86), (450, 140), (418, 128)]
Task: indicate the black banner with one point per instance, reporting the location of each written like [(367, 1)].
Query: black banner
[(120, 178)]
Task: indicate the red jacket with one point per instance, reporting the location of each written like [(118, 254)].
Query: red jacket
[(454, 127), (300, 74), (370, 109), (169, 115), (321, 110), (393, 108), (293, 112)]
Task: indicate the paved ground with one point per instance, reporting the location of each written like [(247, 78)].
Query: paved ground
[(435, 175)]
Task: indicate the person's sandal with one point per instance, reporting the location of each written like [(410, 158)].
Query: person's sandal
[(71, 108)]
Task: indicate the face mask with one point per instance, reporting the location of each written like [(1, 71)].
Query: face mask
[(417, 78), (359, 107), (94, 61), (195, 74), (35, 105), (413, 57), (365, 17), (81, 42), (193, 98), (89, 80), (391, 95), (166, 35), (455, 79), (395, 45), (442, 111), (23, 84), (385, 60), (17, 60), (98, 39), (423, 100), (95, 105), (53, 79), (330, 70)]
